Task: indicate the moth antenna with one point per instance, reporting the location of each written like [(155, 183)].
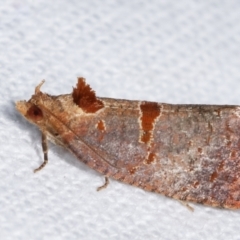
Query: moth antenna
[(37, 89)]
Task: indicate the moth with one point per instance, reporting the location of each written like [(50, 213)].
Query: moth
[(187, 152)]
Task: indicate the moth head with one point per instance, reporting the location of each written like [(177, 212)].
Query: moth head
[(30, 110)]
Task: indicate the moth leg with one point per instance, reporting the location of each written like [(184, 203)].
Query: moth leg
[(189, 207), (45, 152), (104, 185)]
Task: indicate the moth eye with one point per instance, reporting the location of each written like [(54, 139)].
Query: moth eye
[(35, 113), (55, 134)]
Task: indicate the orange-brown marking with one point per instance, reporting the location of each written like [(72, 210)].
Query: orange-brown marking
[(233, 154), (149, 112), (213, 176), (146, 136), (101, 126), (85, 97), (219, 169), (151, 158), (132, 170)]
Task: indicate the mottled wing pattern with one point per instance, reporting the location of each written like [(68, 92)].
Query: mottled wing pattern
[(188, 152)]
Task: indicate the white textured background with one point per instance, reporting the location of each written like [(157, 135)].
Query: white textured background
[(166, 51)]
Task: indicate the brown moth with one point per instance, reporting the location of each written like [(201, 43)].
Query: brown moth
[(187, 152)]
